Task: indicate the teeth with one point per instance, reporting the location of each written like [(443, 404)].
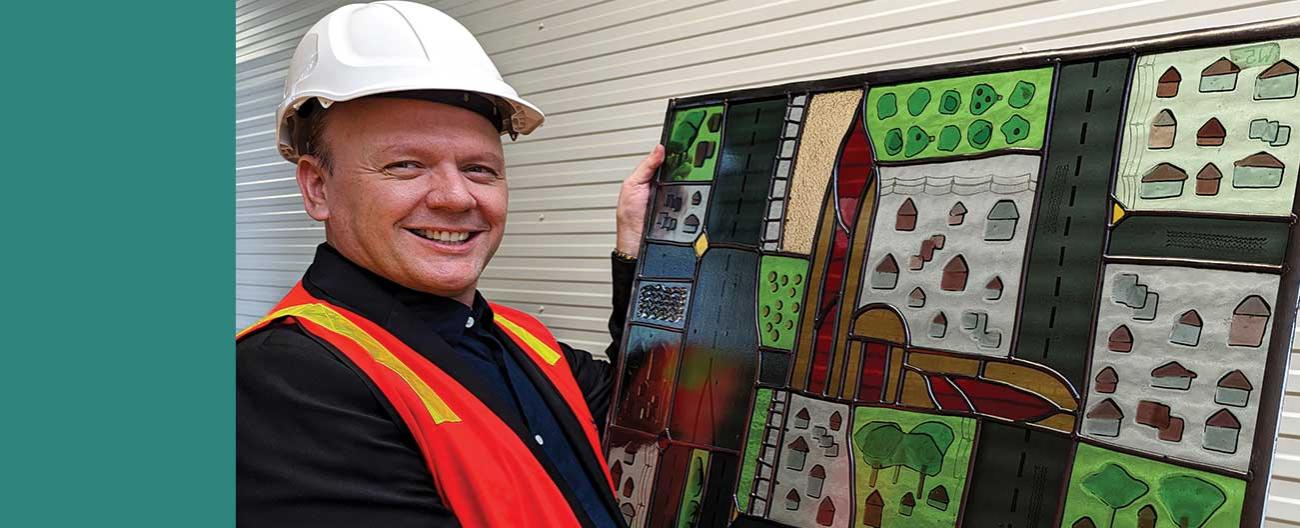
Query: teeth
[(445, 236)]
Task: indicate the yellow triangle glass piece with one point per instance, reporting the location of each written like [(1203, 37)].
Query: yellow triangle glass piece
[(701, 244), (1117, 214)]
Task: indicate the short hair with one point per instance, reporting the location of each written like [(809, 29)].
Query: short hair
[(309, 133)]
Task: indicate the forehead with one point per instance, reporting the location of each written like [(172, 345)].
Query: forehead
[(384, 122)]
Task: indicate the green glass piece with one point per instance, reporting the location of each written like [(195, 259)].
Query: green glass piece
[(782, 280), (949, 138), (982, 97), (1016, 129), (979, 133), (950, 102), (894, 141), (917, 102), (1021, 95), (917, 140), (688, 514), (887, 106)]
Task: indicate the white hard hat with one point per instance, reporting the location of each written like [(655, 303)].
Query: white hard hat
[(392, 46)]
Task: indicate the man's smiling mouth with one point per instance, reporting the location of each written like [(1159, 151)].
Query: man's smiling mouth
[(445, 237)]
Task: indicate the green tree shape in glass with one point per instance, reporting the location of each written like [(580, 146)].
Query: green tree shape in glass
[(887, 106), (894, 141), (923, 449), (949, 102), (1015, 129), (1191, 501), (1115, 488), (778, 299), (917, 102), (878, 442), (949, 138), (982, 98), (676, 163), (917, 141), (1021, 95), (979, 134)]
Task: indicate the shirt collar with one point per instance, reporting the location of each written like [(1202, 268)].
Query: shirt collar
[(379, 299)]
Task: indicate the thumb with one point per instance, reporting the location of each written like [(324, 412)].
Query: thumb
[(646, 169)]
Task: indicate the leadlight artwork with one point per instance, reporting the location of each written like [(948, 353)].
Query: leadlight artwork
[(1049, 290)]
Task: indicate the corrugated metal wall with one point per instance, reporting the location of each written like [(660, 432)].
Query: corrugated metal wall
[(603, 72)]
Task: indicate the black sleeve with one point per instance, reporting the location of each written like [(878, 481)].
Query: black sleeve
[(318, 445), (596, 377)]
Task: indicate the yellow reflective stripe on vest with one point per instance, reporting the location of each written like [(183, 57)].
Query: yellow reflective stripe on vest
[(337, 323), (548, 354)]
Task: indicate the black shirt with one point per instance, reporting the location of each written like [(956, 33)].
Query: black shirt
[(318, 444)]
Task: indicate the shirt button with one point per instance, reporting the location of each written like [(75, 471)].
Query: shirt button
[(538, 438), (469, 322)]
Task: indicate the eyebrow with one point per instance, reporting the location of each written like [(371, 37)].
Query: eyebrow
[(414, 148)]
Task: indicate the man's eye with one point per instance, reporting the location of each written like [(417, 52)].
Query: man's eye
[(403, 165), (482, 169)]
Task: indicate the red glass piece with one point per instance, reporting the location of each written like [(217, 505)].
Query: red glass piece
[(873, 372), (1004, 401), (947, 395), (853, 172)]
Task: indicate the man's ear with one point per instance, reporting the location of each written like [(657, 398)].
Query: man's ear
[(311, 183)]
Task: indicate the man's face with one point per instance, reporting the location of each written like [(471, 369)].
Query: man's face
[(417, 192)]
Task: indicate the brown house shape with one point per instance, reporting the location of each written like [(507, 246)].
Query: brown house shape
[(906, 220), (1121, 340), (1172, 369), (1167, 85), (1278, 69), (1153, 414), (1106, 380), (889, 265), (1172, 375), (938, 498), (1165, 172), (801, 421), (1223, 419), (1260, 159), (1235, 380), (1249, 322), (836, 421), (1164, 128), (1211, 134), (1233, 390), (826, 512), (916, 299), (1220, 67), (1164, 118), (1106, 410), (873, 510), (906, 504), (993, 290), (957, 214), (1207, 180), (954, 275)]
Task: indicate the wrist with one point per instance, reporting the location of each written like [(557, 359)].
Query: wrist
[(628, 245)]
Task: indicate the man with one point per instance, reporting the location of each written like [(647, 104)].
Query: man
[(384, 390)]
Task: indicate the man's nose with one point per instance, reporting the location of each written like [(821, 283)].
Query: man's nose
[(449, 189)]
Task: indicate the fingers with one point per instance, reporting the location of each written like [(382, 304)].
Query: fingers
[(646, 169)]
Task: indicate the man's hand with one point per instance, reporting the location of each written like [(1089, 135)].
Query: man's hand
[(632, 202)]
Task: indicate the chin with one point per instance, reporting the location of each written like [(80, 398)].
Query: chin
[(447, 284)]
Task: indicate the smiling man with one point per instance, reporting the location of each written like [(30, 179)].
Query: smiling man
[(384, 390)]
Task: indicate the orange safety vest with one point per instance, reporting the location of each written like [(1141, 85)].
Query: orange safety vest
[(482, 470)]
